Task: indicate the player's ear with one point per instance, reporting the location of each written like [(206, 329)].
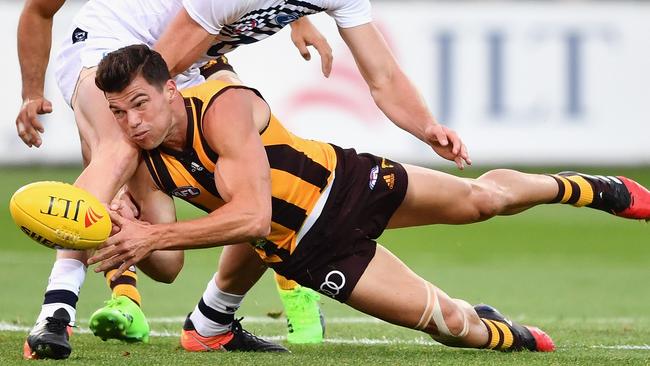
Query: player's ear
[(170, 89)]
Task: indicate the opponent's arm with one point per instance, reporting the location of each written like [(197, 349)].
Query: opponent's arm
[(231, 128), (183, 42), (396, 95), (34, 43)]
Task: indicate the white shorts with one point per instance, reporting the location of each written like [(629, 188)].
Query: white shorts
[(89, 49)]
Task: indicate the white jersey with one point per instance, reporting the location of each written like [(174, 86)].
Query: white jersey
[(238, 22), (102, 26)]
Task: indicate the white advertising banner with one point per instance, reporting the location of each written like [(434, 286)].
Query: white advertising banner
[(522, 83)]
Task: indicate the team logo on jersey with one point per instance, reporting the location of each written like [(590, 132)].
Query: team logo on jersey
[(79, 35), (245, 26), (390, 180), (283, 19), (374, 174), (186, 192)]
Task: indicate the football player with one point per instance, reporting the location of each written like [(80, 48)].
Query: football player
[(311, 210), (109, 159)]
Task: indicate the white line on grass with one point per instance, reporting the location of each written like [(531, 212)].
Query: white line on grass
[(370, 320), (422, 341)]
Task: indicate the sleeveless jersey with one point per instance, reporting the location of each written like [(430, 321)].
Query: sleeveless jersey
[(302, 172), (238, 22)]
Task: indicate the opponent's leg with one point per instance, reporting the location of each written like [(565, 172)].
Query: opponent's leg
[(49, 338), (112, 159), (212, 324), (389, 290), (305, 321)]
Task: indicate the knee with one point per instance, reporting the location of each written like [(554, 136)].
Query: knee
[(488, 197), (456, 321), (163, 266)]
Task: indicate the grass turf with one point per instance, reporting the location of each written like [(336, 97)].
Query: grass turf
[(577, 273)]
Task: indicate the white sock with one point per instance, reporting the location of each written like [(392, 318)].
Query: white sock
[(63, 287), (216, 310)]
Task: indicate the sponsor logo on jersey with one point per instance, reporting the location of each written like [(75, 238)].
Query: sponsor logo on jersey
[(91, 217), (186, 192), (196, 167), (283, 19), (374, 174), (333, 284), (390, 180)]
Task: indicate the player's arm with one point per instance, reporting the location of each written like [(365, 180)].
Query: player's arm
[(155, 207), (185, 39), (231, 128), (34, 43), (183, 42), (396, 95)]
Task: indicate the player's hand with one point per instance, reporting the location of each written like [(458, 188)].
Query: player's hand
[(304, 34), (125, 205), (134, 241), (446, 143), (27, 124)]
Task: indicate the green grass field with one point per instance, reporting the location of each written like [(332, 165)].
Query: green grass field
[(579, 274)]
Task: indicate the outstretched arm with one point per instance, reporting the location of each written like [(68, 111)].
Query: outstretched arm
[(231, 127), (34, 43), (155, 207), (396, 95)]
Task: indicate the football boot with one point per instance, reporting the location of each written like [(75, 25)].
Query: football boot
[(121, 319), (305, 321), (617, 195), (525, 337), (237, 339), (50, 338)]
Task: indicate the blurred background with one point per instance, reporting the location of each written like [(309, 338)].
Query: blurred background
[(524, 82), (537, 85)]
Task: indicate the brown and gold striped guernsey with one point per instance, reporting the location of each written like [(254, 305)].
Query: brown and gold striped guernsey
[(300, 171)]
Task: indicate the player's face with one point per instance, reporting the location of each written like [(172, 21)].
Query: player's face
[(143, 111)]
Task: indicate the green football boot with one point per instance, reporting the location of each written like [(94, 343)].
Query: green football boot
[(305, 320), (121, 319)]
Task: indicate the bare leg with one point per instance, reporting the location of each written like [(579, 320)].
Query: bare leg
[(239, 269), (389, 290), (434, 197)]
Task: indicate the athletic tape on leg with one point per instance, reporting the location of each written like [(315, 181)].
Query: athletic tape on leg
[(433, 311)]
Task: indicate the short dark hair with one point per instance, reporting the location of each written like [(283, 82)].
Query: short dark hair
[(118, 68)]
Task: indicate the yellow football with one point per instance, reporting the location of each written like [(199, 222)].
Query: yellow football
[(60, 215)]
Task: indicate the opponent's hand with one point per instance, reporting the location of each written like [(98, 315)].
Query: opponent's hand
[(134, 241), (27, 124), (304, 34), (446, 143)]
